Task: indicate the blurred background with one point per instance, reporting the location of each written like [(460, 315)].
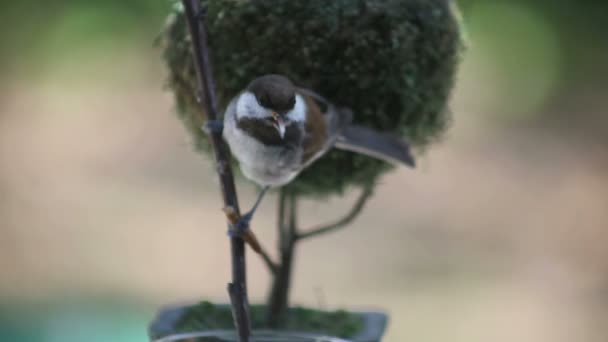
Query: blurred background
[(106, 213)]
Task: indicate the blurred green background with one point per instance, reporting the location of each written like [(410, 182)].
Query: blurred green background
[(106, 213)]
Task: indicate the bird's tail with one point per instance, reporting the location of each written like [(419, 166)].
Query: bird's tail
[(384, 146)]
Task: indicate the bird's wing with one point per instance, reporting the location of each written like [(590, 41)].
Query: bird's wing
[(385, 146), (340, 133), (316, 132), (323, 122), (336, 118)]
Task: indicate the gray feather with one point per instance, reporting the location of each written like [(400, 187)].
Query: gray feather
[(385, 146)]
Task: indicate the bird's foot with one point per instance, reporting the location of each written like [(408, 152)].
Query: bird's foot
[(240, 227), (213, 126)]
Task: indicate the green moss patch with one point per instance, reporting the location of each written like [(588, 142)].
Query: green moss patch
[(207, 316), (393, 62)]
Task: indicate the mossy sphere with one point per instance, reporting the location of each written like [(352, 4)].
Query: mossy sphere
[(392, 62)]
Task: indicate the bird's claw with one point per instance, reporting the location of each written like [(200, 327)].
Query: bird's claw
[(213, 126), (240, 227)]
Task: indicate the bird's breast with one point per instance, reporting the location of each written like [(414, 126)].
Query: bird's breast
[(265, 164)]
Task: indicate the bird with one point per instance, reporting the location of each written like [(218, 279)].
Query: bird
[(276, 129)]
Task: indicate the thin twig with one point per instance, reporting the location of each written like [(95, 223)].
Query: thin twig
[(348, 218), (293, 217), (278, 299), (282, 221), (271, 265), (282, 216), (206, 90)]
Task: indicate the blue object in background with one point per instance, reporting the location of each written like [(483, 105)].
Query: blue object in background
[(74, 322)]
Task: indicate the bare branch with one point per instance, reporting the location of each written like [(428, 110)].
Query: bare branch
[(282, 216), (348, 218), (278, 302), (271, 265), (293, 216), (206, 90)]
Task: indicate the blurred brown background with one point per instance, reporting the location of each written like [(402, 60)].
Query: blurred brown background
[(107, 213)]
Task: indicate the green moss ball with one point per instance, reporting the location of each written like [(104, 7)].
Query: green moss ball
[(393, 62)]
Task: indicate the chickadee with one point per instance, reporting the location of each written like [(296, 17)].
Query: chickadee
[(275, 130)]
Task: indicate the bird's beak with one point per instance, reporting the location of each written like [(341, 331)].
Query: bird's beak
[(281, 128), (279, 124)]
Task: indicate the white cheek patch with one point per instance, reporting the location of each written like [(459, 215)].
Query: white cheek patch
[(298, 113), (248, 105)]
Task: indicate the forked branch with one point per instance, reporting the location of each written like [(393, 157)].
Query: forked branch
[(348, 218)]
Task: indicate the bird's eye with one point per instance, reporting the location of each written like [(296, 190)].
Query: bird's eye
[(292, 102), (263, 100)]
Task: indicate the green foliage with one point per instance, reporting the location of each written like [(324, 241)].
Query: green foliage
[(207, 316), (391, 61), (64, 29)]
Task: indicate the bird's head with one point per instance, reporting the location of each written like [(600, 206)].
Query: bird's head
[(271, 101)]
